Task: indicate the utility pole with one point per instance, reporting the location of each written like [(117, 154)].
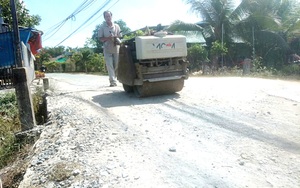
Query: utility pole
[(17, 43), (23, 92), (253, 41), (222, 43)]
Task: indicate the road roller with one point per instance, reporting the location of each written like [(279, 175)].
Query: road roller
[(153, 65)]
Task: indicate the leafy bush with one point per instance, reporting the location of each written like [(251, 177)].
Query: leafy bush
[(133, 35), (53, 66), (293, 69), (197, 56), (9, 123), (7, 145), (218, 49), (8, 107)]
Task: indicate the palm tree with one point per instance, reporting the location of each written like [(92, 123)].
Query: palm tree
[(217, 18), (265, 26), (256, 23)]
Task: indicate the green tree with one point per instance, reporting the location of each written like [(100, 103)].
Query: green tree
[(56, 51), (217, 16), (264, 27), (261, 28), (133, 34), (218, 50), (90, 43), (98, 44), (217, 25), (53, 66), (123, 26), (24, 18), (86, 57), (76, 59), (197, 57), (41, 58), (96, 63), (88, 61)]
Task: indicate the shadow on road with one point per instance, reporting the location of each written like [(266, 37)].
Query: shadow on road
[(121, 98)]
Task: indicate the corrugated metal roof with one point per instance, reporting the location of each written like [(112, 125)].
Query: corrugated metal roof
[(192, 36), (61, 60)]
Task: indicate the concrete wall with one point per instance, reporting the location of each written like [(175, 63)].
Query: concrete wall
[(28, 62)]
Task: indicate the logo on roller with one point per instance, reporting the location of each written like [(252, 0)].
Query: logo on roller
[(164, 46)]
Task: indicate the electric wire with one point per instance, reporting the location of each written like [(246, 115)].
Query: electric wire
[(54, 29), (81, 26), (58, 25), (72, 16), (96, 18), (113, 4)]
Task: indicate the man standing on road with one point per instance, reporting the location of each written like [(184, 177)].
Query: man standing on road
[(109, 34)]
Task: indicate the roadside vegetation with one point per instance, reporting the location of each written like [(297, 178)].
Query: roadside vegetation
[(14, 149), (10, 124)]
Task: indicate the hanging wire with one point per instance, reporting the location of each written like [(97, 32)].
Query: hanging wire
[(97, 18), (81, 26), (54, 29)]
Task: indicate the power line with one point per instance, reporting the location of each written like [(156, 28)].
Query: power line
[(113, 5), (71, 16), (105, 4), (101, 15), (54, 29)]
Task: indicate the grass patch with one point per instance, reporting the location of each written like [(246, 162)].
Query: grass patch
[(290, 72), (40, 106), (13, 148), (9, 124)]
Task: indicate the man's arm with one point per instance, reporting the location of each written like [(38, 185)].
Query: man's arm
[(104, 39), (101, 36)]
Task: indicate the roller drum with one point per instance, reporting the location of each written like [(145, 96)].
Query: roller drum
[(158, 88)]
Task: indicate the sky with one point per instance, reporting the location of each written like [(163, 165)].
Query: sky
[(75, 30)]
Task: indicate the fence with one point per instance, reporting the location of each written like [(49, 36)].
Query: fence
[(6, 77), (6, 60), (7, 57)]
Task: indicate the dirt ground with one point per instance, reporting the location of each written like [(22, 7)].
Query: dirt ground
[(216, 132)]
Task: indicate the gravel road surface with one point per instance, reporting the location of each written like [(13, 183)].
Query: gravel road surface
[(217, 132)]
